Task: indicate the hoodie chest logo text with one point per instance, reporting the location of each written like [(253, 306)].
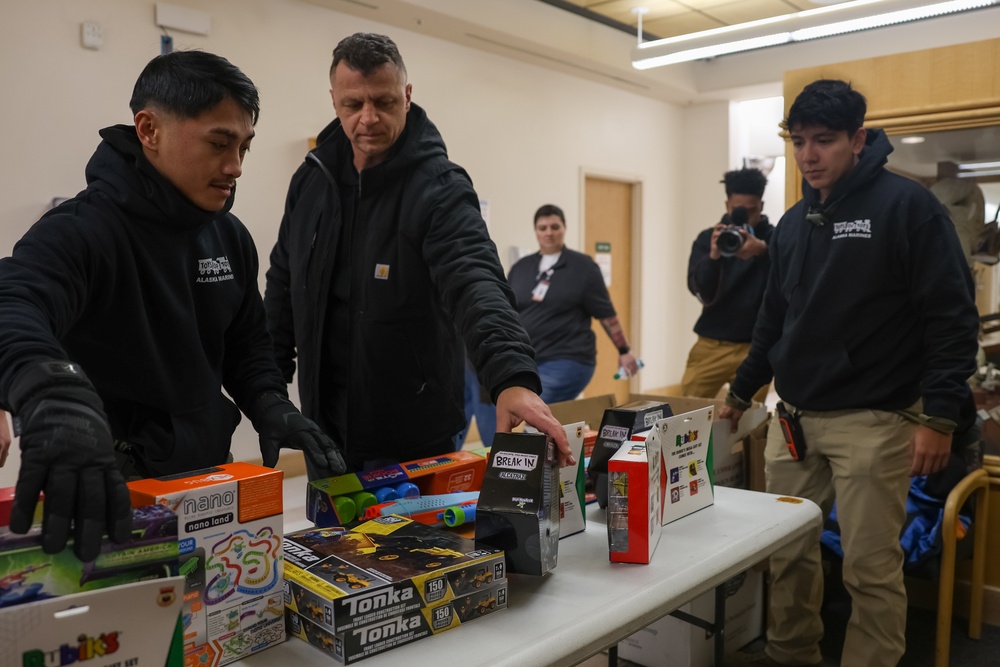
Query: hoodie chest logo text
[(214, 270), (856, 229)]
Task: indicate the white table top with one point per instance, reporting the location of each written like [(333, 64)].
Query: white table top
[(588, 603)]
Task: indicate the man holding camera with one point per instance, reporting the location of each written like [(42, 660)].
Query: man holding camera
[(727, 271)]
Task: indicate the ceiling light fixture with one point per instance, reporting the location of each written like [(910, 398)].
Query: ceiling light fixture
[(790, 28), (912, 140)]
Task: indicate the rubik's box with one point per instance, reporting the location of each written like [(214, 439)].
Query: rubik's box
[(229, 529), (384, 583), (618, 425), (334, 501), (518, 507), (686, 443), (634, 496), (27, 574)]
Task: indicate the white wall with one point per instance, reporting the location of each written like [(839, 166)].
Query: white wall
[(524, 133)]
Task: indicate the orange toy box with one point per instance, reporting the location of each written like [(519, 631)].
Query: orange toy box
[(338, 501), (229, 521)]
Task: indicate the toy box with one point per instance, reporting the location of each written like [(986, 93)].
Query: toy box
[(671, 641), (380, 569), (634, 496), (519, 503), (617, 426), (29, 574), (364, 641), (229, 530), (131, 624), (572, 483), (338, 501), (686, 444)]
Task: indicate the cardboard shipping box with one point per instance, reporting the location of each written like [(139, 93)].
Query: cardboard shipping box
[(230, 524), (671, 641)]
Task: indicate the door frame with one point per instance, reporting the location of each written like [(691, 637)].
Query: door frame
[(635, 270)]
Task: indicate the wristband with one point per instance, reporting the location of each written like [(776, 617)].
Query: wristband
[(624, 349), (734, 401)]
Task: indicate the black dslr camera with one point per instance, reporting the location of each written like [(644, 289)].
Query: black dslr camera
[(730, 240)]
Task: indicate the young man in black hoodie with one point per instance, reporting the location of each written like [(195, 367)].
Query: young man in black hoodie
[(869, 329), (145, 281), (382, 260), (728, 277)]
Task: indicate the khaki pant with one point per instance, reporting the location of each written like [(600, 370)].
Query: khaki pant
[(862, 458), (711, 364)]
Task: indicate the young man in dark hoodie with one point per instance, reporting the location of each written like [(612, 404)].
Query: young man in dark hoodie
[(869, 329), (382, 260), (126, 310), (729, 284)]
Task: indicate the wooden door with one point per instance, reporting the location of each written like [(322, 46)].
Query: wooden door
[(608, 231)]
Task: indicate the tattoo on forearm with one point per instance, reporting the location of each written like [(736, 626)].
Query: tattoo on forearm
[(615, 332)]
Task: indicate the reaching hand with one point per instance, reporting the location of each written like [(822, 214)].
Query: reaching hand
[(67, 453), (5, 439), (280, 425), (517, 404)]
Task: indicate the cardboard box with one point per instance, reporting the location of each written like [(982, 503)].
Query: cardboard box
[(130, 624), (377, 637), (381, 569), (618, 425), (634, 495), (686, 444), (448, 473), (671, 641), (229, 528), (518, 508), (754, 451), (28, 574)]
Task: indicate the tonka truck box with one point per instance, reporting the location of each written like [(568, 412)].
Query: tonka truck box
[(229, 529), (519, 503), (338, 501), (381, 569), (634, 497), (618, 425), (685, 441), (131, 624), (376, 637), (28, 574)]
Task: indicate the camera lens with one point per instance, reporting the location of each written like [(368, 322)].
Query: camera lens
[(729, 242)]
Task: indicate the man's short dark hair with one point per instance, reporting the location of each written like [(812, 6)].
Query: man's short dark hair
[(746, 181), (188, 83), (365, 52), (547, 210), (828, 103)]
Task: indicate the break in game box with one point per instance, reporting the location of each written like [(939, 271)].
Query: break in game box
[(229, 530), (364, 641), (381, 569), (618, 425)]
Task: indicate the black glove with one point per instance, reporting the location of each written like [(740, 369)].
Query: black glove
[(280, 424), (67, 452)]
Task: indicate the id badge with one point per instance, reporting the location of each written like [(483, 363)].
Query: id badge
[(538, 294)]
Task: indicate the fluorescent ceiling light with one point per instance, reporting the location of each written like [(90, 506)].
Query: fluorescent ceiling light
[(912, 140), (797, 27), (979, 165), (978, 174)]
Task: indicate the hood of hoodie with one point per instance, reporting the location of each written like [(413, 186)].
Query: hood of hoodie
[(873, 157), (419, 141), (120, 170)]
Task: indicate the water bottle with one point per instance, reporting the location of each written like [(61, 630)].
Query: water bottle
[(622, 374)]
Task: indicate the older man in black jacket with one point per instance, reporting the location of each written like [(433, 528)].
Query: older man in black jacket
[(382, 254)]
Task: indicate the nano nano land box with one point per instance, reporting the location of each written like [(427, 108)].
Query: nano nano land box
[(229, 528), (449, 473), (27, 574), (368, 587)]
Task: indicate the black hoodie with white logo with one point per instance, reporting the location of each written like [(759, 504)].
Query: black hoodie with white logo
[(155, 298), (869, 302)]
